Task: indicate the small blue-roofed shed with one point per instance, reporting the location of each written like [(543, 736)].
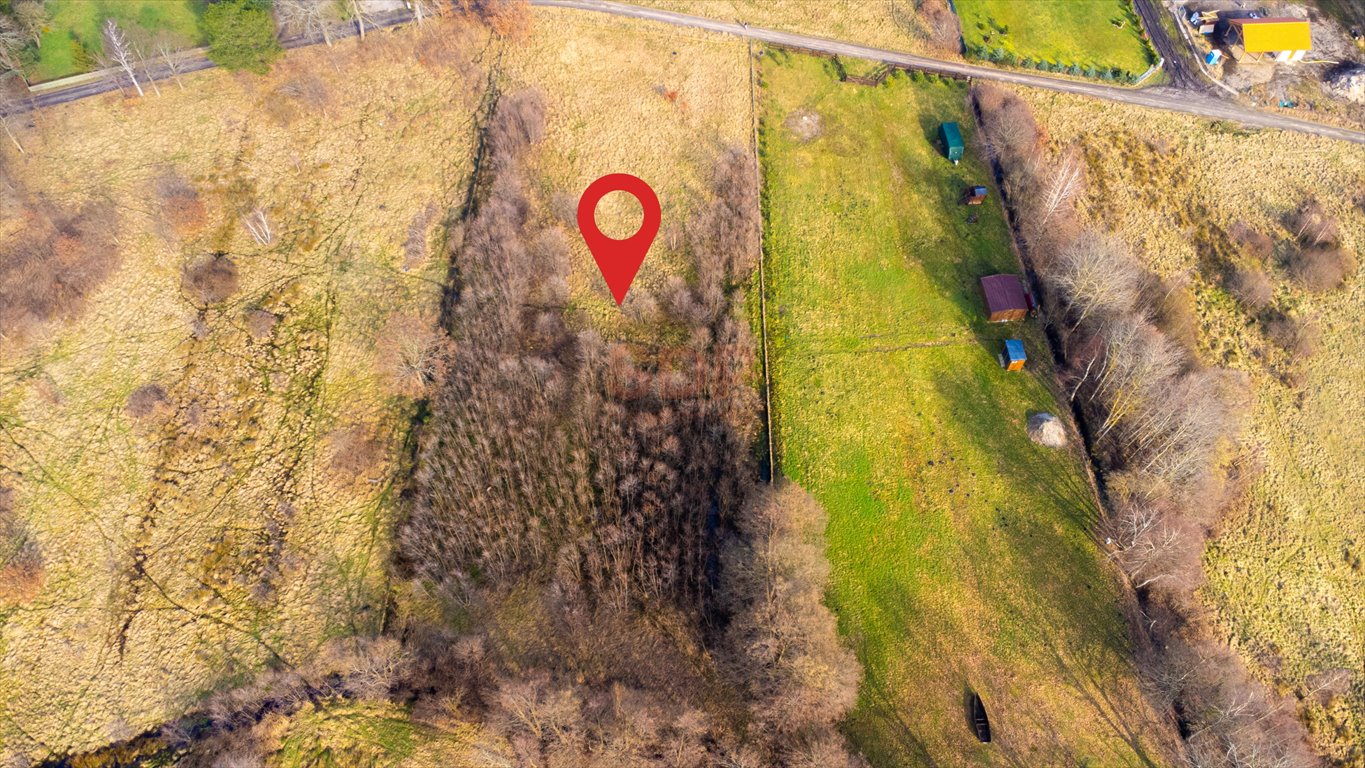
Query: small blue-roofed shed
[(951, 136), (1013, 358)]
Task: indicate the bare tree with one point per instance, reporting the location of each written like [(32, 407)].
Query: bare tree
[(259, 226), (13, 40), (1251, 287), (413, 353), (360, 17), (167, 45), (308, 17), (33, 17), (1058, 187), (1096, 274), (1151, 544), (140, 43), (11, 112), (782, 640), (1321, 268), (119, 52), (425, 9), (1137, 365), (1312, 224)]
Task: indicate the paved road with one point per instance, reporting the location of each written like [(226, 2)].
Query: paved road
[(1170, 99), (198, 61)]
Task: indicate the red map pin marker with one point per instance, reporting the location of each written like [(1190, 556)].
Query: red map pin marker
[(619, 260)]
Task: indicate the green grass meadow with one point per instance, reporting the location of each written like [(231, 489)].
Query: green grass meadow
[(1099, 33), (72, 41), (960, 553)]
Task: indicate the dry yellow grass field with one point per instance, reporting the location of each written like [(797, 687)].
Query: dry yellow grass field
[(1285, 580), (627, 96), (238, 525), (185, 551)]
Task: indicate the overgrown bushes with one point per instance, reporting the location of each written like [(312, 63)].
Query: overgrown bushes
[(210, 280), (1160, 423), (50, 268), (21, 562)]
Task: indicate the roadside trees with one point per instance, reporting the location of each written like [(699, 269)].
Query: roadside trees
[(119, 52)]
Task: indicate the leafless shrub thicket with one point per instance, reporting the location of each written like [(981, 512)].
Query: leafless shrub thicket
[(416, 247), (1321, 268), (21, 563), (782, 642), (236, 727), (356, 450), (1252, 242), (1311, 224), (180, 203), (210, 279), (50, 267), (930, 20), (147, 401), (1250, 286), (1318, 262), (618, 451), (259, 323), (1159, 422), (507, 18), (1296, 335)]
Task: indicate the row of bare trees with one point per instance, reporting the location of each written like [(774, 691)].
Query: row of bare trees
[(1158, 422)]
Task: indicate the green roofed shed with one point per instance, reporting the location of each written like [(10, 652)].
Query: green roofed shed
[(951, 136)]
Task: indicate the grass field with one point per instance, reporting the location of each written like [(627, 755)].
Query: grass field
[(184, 554), (960, 553), (73, 38), (1102, 33), (1285, 580)]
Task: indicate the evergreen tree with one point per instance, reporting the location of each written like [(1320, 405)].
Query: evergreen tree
[(241, 35)]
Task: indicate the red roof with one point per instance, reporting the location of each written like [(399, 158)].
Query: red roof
[(1004, 293)]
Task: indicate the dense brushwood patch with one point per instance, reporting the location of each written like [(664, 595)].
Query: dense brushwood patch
[(53, 264)]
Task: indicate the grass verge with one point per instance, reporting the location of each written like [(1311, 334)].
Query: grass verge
[(72, 41), (1103, 34)]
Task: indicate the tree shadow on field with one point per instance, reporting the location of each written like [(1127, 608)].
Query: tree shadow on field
[(1093, 662), (879, 701), (1083, 671)]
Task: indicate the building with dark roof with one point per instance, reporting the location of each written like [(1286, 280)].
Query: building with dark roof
[(1005, 298)]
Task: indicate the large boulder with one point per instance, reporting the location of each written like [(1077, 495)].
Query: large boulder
[(1346, 82), (1046, 429)]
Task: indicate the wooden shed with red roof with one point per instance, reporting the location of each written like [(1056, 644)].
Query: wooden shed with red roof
[(1005, 298)]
